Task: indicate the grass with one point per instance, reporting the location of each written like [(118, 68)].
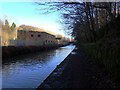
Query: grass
[(107, 48), (107, 54)]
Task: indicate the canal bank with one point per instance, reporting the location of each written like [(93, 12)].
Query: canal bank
[(79, 70), (11, 51)]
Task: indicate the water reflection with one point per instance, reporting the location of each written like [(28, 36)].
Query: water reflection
[(28, 71)]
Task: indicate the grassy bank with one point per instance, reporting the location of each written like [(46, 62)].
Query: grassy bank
[(11, 51), (106, 53), (106, 49)]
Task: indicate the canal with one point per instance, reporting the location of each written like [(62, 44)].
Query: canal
[(29, 71)]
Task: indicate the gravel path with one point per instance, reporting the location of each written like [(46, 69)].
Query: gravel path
[(79, 71)]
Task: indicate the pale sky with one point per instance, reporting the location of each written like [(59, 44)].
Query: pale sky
[(27, 13)]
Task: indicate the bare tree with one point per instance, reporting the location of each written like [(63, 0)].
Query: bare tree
[(83, 19)]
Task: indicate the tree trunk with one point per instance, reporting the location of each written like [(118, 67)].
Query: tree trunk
[(115, 9), (118, 8), (91, 22), (88, 22)]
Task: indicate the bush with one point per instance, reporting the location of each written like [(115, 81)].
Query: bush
[(106, 53)]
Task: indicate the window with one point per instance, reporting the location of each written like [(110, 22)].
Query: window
[(32, 35), (38, 35)]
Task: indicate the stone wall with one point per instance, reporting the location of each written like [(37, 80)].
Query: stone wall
[(35, 38)]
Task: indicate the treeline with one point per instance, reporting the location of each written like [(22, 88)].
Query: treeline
[(84, 20), (8, 33), (89, 27), (6, 26)]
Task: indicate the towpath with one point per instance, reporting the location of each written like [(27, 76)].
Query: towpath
[(79, 71)]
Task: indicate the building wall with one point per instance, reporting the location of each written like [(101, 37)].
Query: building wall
[(29, 43), (35, 38)]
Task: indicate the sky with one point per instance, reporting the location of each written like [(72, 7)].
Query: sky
[(27, 13)]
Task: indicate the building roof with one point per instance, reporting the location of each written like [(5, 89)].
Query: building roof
[(37, 32), (36, 29)]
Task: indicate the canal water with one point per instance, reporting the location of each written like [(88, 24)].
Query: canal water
[(29, 71)]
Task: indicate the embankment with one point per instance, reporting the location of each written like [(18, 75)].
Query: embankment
[(108, 54), (11, 51), (107, 48)]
